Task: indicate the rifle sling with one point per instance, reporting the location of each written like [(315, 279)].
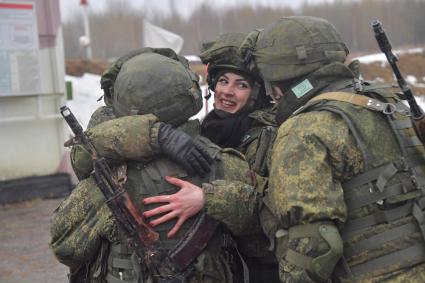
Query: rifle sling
[(352, 98)]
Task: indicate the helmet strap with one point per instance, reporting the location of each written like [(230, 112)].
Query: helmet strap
[(208, 96)]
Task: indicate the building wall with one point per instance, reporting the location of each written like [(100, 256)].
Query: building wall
[(32, 131)]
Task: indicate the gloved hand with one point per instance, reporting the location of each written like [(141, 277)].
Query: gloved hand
[(181, 148)]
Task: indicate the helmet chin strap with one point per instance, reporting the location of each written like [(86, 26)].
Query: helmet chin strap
[(270, 92), (208, 96)]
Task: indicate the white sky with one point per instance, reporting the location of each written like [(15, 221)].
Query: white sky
[(184, 7)]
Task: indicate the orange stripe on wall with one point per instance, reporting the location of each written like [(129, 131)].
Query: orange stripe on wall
[(16, 6)]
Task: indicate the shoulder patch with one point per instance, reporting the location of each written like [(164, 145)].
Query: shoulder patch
[(302, 88)]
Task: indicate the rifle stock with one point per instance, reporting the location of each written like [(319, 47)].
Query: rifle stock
[(418, 117)]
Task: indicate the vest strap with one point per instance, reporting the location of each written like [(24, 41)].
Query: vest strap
[(367, 195), (265, 141), (412, 141), (402, 124), (389, 171), (356, 99), (419, 215), (377, 241), (356, 226), (402, 258), (364, 178)]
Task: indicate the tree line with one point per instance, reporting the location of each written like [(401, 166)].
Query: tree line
[(119, 28)]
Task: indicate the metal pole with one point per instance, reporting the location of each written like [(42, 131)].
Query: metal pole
[(85, 5)]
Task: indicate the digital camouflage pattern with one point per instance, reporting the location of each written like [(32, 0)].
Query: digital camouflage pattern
[(77, 244), (152, 83), (80, 158), (80, 223), (129, 138), (109, 76), (115, 139), (302, 184), (224, 52), (314, 154), (293, 47), (83, 220), (118, 139)]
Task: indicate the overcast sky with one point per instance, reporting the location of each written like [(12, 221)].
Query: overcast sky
[(184, 7)]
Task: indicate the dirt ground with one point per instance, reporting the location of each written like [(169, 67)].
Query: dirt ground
[(24, 252)]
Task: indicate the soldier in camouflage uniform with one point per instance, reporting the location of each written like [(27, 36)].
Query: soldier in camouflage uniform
[(347, 170), (254, 127), (84, 234), (249, 128)]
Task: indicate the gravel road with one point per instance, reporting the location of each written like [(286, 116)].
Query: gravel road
[(24, 252)]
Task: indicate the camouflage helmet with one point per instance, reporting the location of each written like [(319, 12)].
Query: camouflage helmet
[(296, 46), (226, 52), (233, 52), (152, 83)]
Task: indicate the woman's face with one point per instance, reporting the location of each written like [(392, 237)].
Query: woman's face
[(231, 92)]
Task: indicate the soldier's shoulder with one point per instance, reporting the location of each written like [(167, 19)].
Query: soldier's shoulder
[(100, 115), (264, 117), (311, 122)]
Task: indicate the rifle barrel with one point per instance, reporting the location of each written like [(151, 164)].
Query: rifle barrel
[(386, 48)]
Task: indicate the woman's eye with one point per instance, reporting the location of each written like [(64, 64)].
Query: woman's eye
[(222, 81), (243, 85)]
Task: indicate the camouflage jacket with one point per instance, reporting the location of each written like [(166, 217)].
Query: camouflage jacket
[(130, 139), (83, 221), (314, 155)]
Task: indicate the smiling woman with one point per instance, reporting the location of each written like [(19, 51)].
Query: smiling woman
[(235, 93), (231, 92)]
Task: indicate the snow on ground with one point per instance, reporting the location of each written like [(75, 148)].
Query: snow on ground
[(86, 92), (413, 81), (380, 57)]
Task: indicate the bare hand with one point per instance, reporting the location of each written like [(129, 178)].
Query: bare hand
[(188, 201)]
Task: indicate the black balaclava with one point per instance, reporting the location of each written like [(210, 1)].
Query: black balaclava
[(225, 129)]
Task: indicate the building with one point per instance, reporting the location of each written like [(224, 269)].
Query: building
[(32, 88)]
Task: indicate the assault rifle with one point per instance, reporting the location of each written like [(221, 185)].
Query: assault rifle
[(418, 117), (140, 235)]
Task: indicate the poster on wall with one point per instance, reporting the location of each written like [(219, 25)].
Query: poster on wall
[(19, 49)]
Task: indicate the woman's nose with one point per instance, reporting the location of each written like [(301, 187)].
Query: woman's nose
[(229, 90)]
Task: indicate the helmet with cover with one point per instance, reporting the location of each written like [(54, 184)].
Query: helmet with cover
[(289, 50), (150, 82), (293, 47), (224, 53), (231, 52)]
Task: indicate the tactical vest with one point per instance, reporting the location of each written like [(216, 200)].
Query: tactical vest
[(119, 264), (256, 146), (385, 227)]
